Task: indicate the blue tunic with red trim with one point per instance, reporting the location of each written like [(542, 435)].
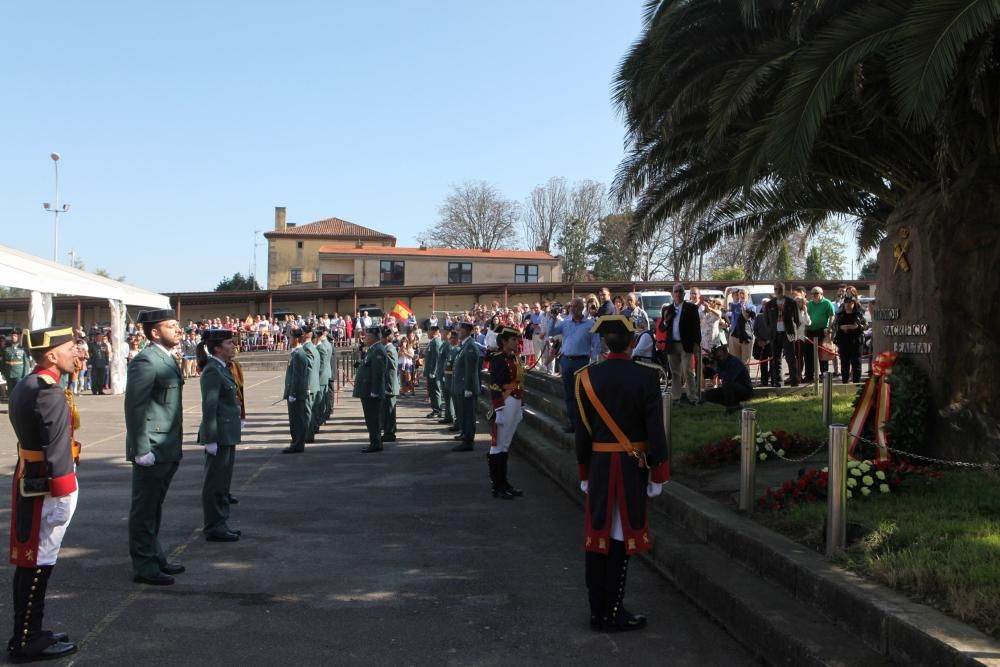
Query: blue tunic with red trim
[(43, 423), (630, 392)]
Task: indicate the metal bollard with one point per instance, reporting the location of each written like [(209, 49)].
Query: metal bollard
[(836, 491), (748, 458), (667, 404), (816, 366), (827, 398)]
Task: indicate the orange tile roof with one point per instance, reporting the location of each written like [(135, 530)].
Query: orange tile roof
[(333, 227), (464, 253)]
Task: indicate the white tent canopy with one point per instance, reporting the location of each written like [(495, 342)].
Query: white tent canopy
[(44, 279)]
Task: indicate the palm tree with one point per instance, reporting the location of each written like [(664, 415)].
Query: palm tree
[(771, 116)]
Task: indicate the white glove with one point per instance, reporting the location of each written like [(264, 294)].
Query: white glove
[(467, 393), (212, 448), (147, 459), (585, 486), (372, 395), (291, 399), (431, 376), (61, 510), (243, 423), (499, 416), (654, 489)]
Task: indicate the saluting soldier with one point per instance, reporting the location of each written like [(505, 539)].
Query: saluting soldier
[(465, 387), (309, 347), (445, 371), (369, 386), (506, 392), (15, 362), (430, 371), (45, 488), (153, 425), (391, 386), (621, 450), (325, 372), (219, 432), (297, 392)]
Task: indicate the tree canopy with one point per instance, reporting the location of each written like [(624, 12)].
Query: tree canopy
[(237, 283)]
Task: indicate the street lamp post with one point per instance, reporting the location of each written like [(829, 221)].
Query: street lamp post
[(56, 210)]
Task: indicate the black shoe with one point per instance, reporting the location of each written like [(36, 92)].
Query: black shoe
[(310, 441), (458, 437), (293, 450), (225, 536), (233, 500), (455, 428), (59, 649), (462, 447), (432, 415), (371, 450), (626, 622), (503, 495), (446, 420), (158, 579), (388, 438), (514, 491), (172, 568)]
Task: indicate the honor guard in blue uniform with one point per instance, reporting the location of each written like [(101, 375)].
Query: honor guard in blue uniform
[(153, 425), (465, 386), (219, 432), (44, 418), (621, 449), (369, 386), (309, 347), (434, 346), (391, 386), (297, 392)]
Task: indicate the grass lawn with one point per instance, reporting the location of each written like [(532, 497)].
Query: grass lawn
[(694, 427), (939, 544)]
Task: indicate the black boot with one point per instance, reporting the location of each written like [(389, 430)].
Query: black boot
[(497, 477), (596, 568), (512, 490), (30, 642), (616, 617)]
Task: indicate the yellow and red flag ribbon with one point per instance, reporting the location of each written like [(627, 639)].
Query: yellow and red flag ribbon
[(876, 394)]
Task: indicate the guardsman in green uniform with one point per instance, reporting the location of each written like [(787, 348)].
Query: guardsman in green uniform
[(465, 387), (100, 359), (219, 432), (446, 359), (326, 376), (430, 371), (297, 392), (391, 386), (369, 386), (153, 442), (44, 418), (15, 362), (325, 372), (310, 348)]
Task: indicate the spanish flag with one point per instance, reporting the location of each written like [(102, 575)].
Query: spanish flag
[(400, 311)]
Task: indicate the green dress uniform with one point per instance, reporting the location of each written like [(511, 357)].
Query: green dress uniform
[(430, 374), (297, 394), (369, 386), (15, 365), (465, 388), (445, 363), (325, 373), (153, 425), (328, 384), (391, 392), (220, 425), (310, 348)]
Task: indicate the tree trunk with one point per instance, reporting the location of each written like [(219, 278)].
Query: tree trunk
[(944, 312)]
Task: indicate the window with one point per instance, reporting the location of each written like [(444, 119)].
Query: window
[(298, 244), (296, 276), (459, 272), (391, 272), (525, 273), (338, 280)]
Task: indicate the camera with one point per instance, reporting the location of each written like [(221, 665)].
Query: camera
[(555, 309)]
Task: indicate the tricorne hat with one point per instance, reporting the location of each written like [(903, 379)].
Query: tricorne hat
[(48, 338), (612, 324)]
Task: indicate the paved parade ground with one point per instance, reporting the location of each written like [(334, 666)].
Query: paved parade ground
[(398, 558)]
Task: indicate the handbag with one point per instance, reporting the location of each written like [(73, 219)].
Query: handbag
[(828, 351)]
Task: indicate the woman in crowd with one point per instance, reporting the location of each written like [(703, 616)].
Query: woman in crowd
[(133, 349), (802, 343), (711, 321), (848, 334), (220, 430), (82, 354), (406, 367)]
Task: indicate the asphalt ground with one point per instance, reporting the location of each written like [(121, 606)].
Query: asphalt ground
[(398, 558)]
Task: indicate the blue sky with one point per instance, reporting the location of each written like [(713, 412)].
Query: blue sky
[(181, 125)]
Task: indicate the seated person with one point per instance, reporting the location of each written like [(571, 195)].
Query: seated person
[(736, 385)]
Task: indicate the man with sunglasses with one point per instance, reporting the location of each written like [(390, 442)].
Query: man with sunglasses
[(782, 315), (682, 324)]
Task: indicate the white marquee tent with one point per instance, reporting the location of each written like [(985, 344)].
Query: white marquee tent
[(44, 279)]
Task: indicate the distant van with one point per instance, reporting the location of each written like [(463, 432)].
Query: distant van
[(653, 301), (757, 293)]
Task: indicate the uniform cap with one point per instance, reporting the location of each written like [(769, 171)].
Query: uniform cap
[(319, 329), (47, 338), (216, 334), (377, 331), (386, 332), (297, 332), (612, 324), (155, 316), (466, 325)]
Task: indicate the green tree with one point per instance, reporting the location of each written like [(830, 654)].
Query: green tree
[(814, 265), (783, 263), (237, 283), (869, 270), (728, 274), (574, 241)]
